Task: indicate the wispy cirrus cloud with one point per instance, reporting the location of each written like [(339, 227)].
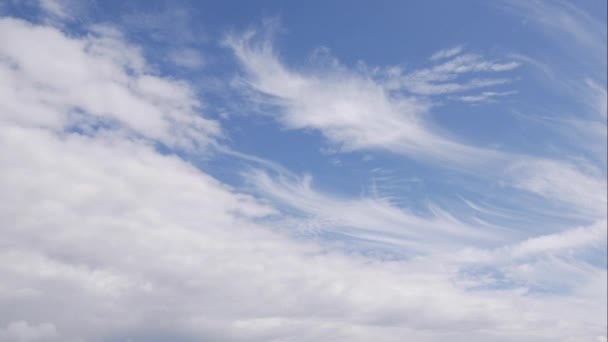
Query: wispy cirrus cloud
[(356, 112), (352, 110), (486, 96), (187, 58), (566, 23), (446, 77), (373, 219), (582, 186), (576, 74), (55, 8), (103, 216), (446, 53)]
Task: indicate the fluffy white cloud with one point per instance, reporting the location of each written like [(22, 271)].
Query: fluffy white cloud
[(121, 238), (106, 238), (93, 82)]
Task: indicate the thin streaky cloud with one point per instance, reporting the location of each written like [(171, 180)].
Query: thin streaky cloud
[(446, 53)]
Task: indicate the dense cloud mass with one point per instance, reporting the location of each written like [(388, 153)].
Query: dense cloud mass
[(109, 232)]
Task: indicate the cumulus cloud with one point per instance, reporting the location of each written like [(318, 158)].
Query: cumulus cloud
[(113, 230), (73, 85), (106, 238)]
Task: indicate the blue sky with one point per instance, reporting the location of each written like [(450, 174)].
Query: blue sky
[(283, 171)]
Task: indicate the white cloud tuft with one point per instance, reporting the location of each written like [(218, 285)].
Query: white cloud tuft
[(446, 53), (352, 110), (446, 78), (56, 8), (485, 96)]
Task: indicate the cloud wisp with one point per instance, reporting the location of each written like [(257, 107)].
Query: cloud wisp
[(351, 110), (356, 112)]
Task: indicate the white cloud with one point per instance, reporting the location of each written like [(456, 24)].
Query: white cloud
[(567, 24), (55, 8), (576, 238), (59, 12), (598, 98), (105, 238), (369, 218), (168, 23), (21, 331), (559, 244), (582, 187), (577, 68), (99, 80), (446, 78), (356, 112), (446, 53), (187, 58), (112, 230), (485, 96), (352, 110)]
